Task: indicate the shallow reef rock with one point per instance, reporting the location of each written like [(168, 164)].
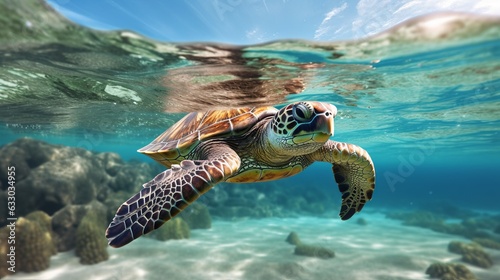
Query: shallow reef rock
[(91, 245), (449, 271), (55, 176), (469, 228), (275, 270), (307, 250), (361, 222), (176, 228), (313, 251), (293, 238), (472, 253)]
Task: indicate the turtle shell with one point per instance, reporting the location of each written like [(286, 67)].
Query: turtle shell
[(175, 143)]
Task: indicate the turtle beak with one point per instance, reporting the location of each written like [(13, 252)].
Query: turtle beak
[(326, 123), (325, 129)]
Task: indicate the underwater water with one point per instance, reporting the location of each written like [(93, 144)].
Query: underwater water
[(422, 98)]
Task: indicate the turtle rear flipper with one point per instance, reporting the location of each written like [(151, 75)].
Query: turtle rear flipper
[(168, 194)]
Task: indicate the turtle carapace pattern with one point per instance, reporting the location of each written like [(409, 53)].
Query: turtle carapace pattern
[(241, 145)]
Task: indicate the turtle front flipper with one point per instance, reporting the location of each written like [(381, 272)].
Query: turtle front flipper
[(169, 193), (354, 173)]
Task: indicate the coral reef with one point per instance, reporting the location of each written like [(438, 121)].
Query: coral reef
[(56, 176), (91, 245), (446, 209), (293, 238), (471, 253), (314, 251), (176, 228), (421, 219), (82, 176), (449, 271), (197, 216), (260, 201), (470, 228)]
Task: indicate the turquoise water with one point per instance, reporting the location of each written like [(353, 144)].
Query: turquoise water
[(425, 106)]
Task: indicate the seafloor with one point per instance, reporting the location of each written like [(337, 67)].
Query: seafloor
[(256, 249), (66, 196)]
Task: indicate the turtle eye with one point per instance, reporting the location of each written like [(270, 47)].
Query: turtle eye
[(302, 112)]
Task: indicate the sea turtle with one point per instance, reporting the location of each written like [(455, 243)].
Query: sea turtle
[(237, 146)]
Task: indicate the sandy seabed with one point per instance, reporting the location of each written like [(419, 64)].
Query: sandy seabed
[(255, 249)]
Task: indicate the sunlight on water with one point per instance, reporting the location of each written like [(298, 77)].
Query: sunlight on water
[(413, 82)]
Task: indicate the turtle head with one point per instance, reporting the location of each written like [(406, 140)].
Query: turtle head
[(302, 127)]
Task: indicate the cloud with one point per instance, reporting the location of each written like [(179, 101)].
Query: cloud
[(374, 16), (325, 25), (81, 19)]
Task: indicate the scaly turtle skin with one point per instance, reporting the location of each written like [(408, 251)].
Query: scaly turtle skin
[(241, 145)]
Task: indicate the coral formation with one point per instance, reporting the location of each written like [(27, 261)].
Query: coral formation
[(458, 247), (176, 228), (449, 271), (471, 253), (91, 245), (197, 216), (34, 243), (34, 246), (487, 242), (293, 238), (65, 223), (478, 258), (314, 251), (5, 261), (45, 223)]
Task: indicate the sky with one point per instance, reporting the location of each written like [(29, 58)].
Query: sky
[(243, 22)]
